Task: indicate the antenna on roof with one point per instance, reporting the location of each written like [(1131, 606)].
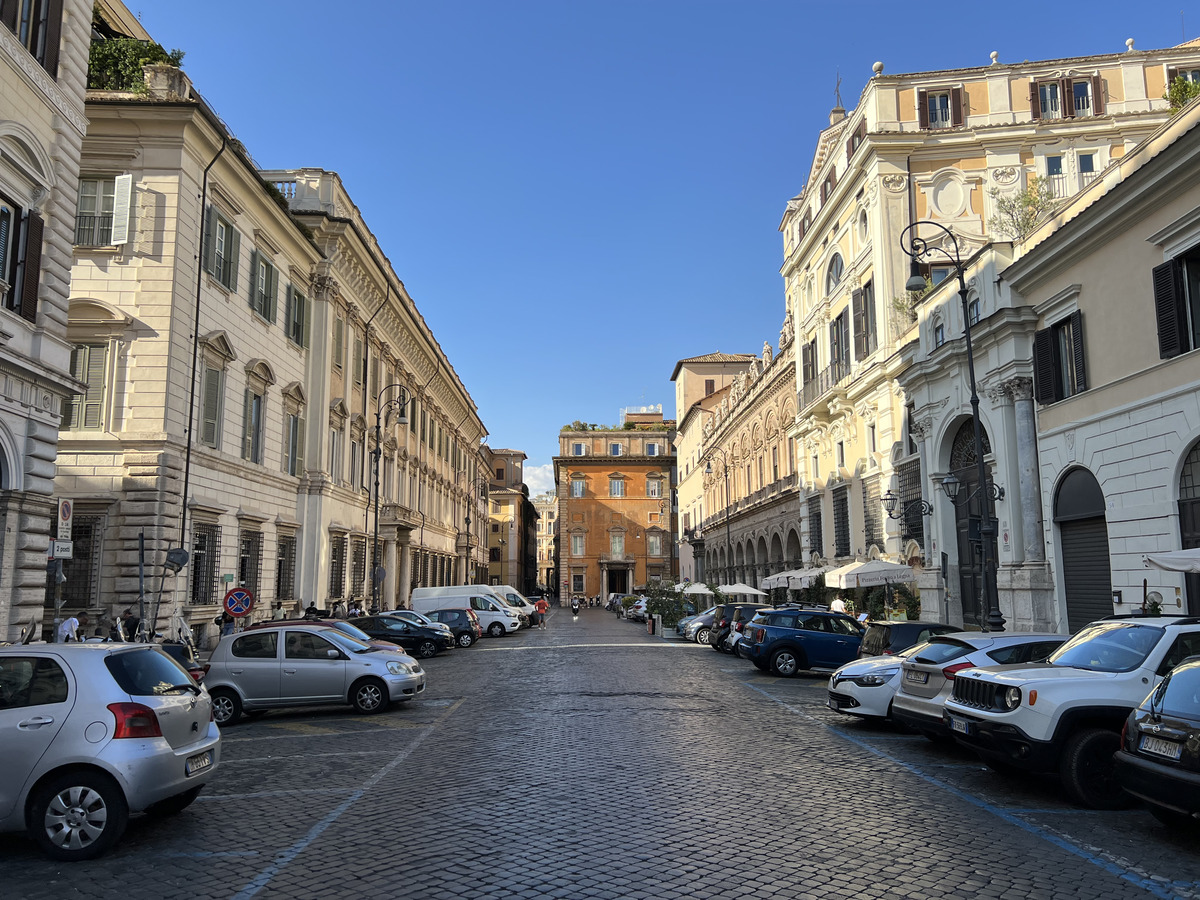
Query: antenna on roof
[(837, 90)]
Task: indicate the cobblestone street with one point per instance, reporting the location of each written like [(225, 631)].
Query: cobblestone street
[(592, 760)]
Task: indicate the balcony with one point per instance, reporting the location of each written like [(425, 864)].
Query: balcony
[(93, 231), (1063, 185), (824, 382)]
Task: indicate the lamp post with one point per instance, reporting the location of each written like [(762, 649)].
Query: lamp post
[(664, 506), (478, 484), (400, 403), (917, 248), (708, 470)]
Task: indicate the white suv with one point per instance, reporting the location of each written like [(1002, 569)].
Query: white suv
[(1065, 715)]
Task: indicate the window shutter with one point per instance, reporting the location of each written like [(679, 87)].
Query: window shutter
[(122, 209), (211, 414), (288, 313), (1043, 366), (1035, 101), (956, 106), (1077, 345), (923, 109), (1168, 308), (73, 410), (860, 330), (255, 297), (305, 313), (93, 400), (54, 20), (271, 301), (299, 446), (246, 429), (339, 340), (1097, 95), (1172, 74), (210, 238), (8, 14), (32, 267), (1066, 88), (849, 150), (5, 230), (233, 258)]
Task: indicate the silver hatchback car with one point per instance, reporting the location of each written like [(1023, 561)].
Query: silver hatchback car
[(92, 732), (306, 665)]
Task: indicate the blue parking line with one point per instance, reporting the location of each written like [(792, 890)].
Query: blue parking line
[(1154, 887)]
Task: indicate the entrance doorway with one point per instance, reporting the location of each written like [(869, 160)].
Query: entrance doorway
[(967, 521), (618, 581), (1083, 537), (1189, 522)]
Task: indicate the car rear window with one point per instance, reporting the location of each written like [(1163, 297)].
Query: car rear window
[(260, 645), (1179, 695), (941, 650), (1024, 653), (145, 672), (876, 639)]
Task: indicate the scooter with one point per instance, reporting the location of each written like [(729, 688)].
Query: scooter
[(575, 608)]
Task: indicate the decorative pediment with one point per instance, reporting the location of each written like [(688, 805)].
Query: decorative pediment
[(259, 370), (217, 349), (295, 392), (338, 413)]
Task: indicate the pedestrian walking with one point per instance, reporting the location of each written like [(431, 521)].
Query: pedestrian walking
[(68, 630), (542, 608), (130, 625), (838, 605)]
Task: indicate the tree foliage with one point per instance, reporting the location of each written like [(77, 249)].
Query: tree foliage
[(116, 64), (1018, 214), (1180, 93)]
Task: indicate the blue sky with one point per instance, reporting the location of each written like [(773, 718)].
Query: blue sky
[(579, 194)]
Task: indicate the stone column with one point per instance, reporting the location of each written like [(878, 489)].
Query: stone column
[(390, 581), (402, 596), (1021, 392)]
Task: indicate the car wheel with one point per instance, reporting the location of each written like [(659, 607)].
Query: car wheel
[(369, 696), (226, 706), (426, 649), (173, 806), (466, 639), (78, 815), (496, 629), (702, 636), (785, 662), (1087, 769)]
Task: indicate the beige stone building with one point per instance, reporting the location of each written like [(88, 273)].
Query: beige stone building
[(43, 74), (546, 507), (944, 146)]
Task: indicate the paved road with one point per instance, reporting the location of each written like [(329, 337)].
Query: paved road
[(594, 761)]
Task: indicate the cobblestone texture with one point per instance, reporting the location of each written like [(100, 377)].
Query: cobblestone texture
[(592, 760)]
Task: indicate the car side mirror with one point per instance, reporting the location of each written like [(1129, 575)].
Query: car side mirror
[(333, 654)]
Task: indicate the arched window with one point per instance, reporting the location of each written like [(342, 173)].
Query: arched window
[(833, 276)]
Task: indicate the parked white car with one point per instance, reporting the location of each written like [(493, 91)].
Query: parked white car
[(866, 687)]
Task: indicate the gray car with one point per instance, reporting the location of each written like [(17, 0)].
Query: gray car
[(92, 732), (306, 665)]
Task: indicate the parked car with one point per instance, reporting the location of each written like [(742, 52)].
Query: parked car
[(928, 677), (1159, 759), (418, 619), (463, 624), (724, 618), (90, 732), (637, 611), (888, 638), (496, 616), (342, 625), (423, 641), (186, 657), (306, 665), (1065, 717), (785, 641), (695, 628), (866, 687)]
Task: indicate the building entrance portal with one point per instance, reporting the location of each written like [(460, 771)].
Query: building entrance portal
[(618, 581)]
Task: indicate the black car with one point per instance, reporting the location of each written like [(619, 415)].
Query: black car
[(1159, 759), (788, 640), (887, 638), (728, 617), (182, 654), (463, 624), (421, 640)]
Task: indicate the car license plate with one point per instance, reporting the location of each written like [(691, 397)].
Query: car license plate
[(1159, 747), (962, 726), (198, 763), (916, 677), (832, 703)]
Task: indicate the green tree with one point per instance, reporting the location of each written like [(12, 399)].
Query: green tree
[(1018, 214), (116, 64), (1180, 93)]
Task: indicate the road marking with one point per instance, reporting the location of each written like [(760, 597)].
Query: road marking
[(286, 856), (340, 755), (281, 793), (1155, 887), (397, 726), (654, 646)]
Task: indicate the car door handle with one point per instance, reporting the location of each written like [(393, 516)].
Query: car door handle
[(289, 671), (236, 671), (36, 722)]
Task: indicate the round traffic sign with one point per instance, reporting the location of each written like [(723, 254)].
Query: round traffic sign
[(239, 602)]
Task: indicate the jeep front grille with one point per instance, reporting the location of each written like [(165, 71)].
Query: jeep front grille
[(976, 693)]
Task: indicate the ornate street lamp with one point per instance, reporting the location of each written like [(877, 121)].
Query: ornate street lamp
[(708, 470), (917, 248), (399, 403)]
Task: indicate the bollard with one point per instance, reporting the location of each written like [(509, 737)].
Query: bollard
[(650, 624)]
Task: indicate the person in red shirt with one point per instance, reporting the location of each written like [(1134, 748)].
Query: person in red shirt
[(542, 608)]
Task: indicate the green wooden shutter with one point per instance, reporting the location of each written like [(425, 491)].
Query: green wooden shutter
[(32, 266), (232, 258), (299, 446), (211, 414), (289, 313), (73, 407), (247, 428), (210, 239), (93, 398), (269, 302), (305, 315), (255, 297)]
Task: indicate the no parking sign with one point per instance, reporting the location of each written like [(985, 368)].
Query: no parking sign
[(238, 602)]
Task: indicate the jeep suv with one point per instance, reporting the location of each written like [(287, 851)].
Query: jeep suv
[(788, 640), (1065, 715)]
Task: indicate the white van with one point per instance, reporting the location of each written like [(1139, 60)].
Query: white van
[(506, 595), (494, 614), (515, 599)]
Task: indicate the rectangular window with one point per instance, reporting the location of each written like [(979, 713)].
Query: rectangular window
[(285, 568), (710, 385), (1058, 360), (839, 341), (211, 403), (577, 449), (577, 584), (82, 571), (94, 214), (912, 524), (652, 449), (841, 454), (1065, 98), (335, 455), (577, 546), (1177, 304), (355, 473), (358, 567), (614, 449), (940, 108), (293, 450), (339, 341), (221, 249), (89, 364), (616, 542), (816, 538), (38, 26), (872, 513), (357, 372), (841, 521), (774, 464), (252, 426), (938, 105), (616, 487), (250, 546), (862, 303), (296, 316), (337, 566), (1048, 99), (654, 488), (1054, 166), (654, 544), (205, 563), (577, 488)]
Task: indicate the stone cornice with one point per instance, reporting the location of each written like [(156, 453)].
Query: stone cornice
[(40, 80)]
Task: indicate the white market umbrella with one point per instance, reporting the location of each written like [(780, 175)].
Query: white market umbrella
[(1175, 560), (697, 588), (740, 588), (802, 578), (871, 573)]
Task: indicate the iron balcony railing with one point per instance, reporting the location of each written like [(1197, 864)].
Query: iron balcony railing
[(824, 382), (93, 231)]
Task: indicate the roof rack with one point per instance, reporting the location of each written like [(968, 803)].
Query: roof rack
[(1176, 618)]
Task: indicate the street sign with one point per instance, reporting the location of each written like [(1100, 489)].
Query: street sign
[(66, 513), (238, 602), (62, 549)]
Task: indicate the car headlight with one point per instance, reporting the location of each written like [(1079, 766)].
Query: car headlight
[(877, 678), (1012, 698), (398, 668)]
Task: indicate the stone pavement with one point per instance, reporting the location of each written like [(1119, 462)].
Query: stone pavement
[(592, 760)]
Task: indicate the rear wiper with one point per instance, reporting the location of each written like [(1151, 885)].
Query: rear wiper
[(193, 687)]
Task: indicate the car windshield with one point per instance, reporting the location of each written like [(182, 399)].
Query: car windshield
[(1108, 647), (353, 630), (1179, 694), (347, 642)]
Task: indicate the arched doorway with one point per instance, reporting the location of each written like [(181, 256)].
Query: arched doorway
[(1083, 537), (1189, 520), (967, 520)]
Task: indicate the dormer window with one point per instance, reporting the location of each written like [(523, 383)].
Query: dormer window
[(1066, 98), (940, 108)]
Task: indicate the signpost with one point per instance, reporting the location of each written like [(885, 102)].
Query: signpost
[(239, 602), (66, 514), (62, 549)]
